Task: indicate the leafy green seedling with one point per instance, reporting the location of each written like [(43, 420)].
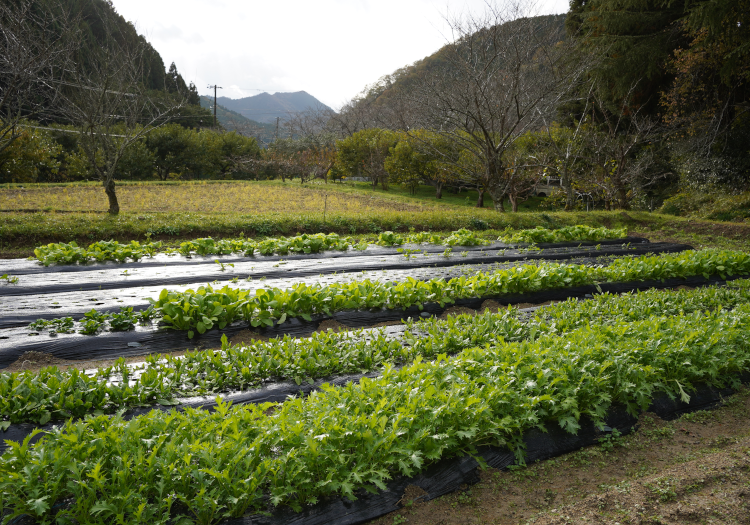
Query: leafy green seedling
[(10, 279), (223, 266), (123, 321), (93, 315), (145, 316), (407, 252), (90, 327)]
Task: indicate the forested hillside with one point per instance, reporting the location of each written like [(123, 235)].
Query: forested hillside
[(640, 104), (402, 80), (655, 110), (85, 97)]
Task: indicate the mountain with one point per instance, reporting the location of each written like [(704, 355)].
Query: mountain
[(230, 120), (265, 108)]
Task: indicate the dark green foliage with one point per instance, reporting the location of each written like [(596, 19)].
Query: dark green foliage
[(684, 63), (636, 38)]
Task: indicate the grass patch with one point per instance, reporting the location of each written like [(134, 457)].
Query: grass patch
[(223, 209)]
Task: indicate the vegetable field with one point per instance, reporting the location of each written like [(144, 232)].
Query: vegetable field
[(305, 425)]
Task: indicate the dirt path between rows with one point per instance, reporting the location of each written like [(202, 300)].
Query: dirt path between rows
[(692, 470)]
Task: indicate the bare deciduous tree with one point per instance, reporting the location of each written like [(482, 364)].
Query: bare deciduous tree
[(35, 50), (503, 72), (616, 153), (109, 103)]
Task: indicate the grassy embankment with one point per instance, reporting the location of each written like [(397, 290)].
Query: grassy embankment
[(31, 215)]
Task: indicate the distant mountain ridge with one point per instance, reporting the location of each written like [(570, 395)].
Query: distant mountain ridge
[(266, 108), (232, 121)]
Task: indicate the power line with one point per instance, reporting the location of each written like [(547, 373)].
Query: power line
[(68, 130), (91, 88)]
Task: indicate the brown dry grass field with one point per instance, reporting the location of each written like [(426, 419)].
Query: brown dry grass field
[(246, 198)]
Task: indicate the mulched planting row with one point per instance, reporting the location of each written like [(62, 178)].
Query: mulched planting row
[(147, 340), (107, 277), (19, 311), (451, 474), (32, 266)]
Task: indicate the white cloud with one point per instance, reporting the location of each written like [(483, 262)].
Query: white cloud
[(330, 48)]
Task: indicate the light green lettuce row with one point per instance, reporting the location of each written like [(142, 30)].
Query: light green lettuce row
[(202, 309), (71, 253), (568, 233)]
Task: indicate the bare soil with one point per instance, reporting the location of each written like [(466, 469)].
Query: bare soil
[(35, 361), (247, 336), (331, 325), (692, 470)]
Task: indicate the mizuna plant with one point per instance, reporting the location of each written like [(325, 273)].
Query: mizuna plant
[(201, 467), (54, 394)]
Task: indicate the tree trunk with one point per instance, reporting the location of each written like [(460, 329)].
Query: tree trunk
[(498, 197), (480, 199), (109, 189), (439, 190), (513, 202), (570, 198), (622, 190)]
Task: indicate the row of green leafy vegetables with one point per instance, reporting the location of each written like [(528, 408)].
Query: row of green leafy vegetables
[(93, 322), (208, 307), (202, 309), (71, 253), (52, 394), (197, 466)]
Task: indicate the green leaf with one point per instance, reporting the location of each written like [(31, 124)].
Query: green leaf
[(45, 417)]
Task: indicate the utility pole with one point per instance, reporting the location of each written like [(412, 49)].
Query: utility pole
[(215, 87), (277, 128)]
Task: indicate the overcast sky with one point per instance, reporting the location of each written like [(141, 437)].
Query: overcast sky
[(330, 48)]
